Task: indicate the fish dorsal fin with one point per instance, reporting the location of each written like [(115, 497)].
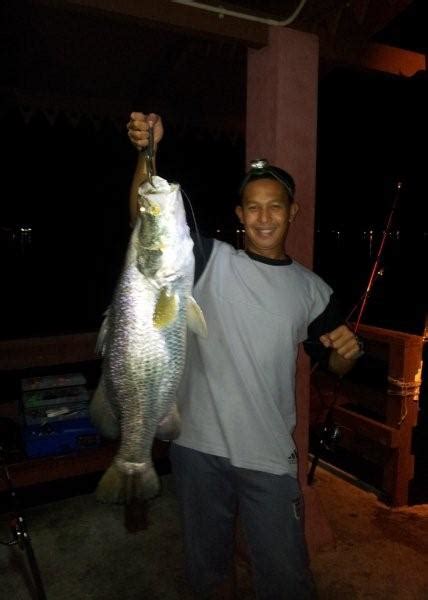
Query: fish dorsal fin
[(195, 318), (166, 309)]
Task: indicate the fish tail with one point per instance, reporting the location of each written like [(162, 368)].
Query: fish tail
[(126, 482), (111, 487)]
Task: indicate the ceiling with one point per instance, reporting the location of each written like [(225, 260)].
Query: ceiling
[(408, 30), (106, 58), (338, 23)]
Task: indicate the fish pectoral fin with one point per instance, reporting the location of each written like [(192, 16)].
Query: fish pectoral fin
[(166, 309), (195, 318)]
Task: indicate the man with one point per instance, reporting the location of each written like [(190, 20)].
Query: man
[(236, 453)]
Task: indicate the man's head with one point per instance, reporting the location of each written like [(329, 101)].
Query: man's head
[(266, 208), (261, 169)]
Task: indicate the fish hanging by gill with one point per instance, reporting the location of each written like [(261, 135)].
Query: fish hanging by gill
[(143, 342)]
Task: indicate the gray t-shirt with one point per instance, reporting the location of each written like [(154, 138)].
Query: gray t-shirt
[(237, 395)]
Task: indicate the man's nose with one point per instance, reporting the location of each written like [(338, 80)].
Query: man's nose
[(263, 215)]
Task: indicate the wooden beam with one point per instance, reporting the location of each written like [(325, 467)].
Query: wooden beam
[(174, 16), (392, 60), (390, 336), (85, 461), (28, 353), (375, 57), (369, 428), (41, 470)]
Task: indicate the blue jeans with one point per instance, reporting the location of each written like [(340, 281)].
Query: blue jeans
[(212, 493)]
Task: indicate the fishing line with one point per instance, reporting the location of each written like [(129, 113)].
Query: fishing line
[(197, 232)]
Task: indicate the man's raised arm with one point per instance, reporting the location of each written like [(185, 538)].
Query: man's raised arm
[(138, 132)]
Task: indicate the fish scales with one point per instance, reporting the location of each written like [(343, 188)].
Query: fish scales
[(144, 342)]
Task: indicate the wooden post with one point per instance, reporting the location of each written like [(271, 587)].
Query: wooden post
[(282, 100)]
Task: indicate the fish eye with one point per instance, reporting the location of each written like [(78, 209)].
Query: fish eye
[(154, 209)]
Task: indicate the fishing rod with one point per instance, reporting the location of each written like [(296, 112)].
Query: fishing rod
[(330, 432), (20, 533), (375, 270)]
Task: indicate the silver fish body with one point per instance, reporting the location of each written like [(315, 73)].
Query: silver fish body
[(144, 342)]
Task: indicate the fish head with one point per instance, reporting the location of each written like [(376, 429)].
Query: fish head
[(163, 231)]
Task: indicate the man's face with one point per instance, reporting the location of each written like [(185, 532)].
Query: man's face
[(266, 214)]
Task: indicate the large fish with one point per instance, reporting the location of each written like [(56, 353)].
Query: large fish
[(143, 342)]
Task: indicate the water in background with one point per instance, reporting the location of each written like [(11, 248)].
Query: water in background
[(396, 298)]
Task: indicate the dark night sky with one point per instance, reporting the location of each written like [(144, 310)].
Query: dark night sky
[(373, 130), (68, 178), (372, 134)]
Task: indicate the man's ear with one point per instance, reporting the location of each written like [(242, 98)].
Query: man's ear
[(239, 213), (294, 209)]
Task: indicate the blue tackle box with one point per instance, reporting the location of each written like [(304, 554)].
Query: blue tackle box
[(59, 437)]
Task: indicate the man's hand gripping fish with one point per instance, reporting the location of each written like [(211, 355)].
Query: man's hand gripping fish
[(143, 342)]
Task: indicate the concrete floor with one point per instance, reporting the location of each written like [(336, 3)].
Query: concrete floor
[(85, 553), (379, 552)]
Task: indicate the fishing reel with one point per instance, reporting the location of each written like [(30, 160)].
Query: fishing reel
[(330, 436)]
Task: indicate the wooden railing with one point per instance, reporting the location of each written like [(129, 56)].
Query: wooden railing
[(376, 418), (30, 353)]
